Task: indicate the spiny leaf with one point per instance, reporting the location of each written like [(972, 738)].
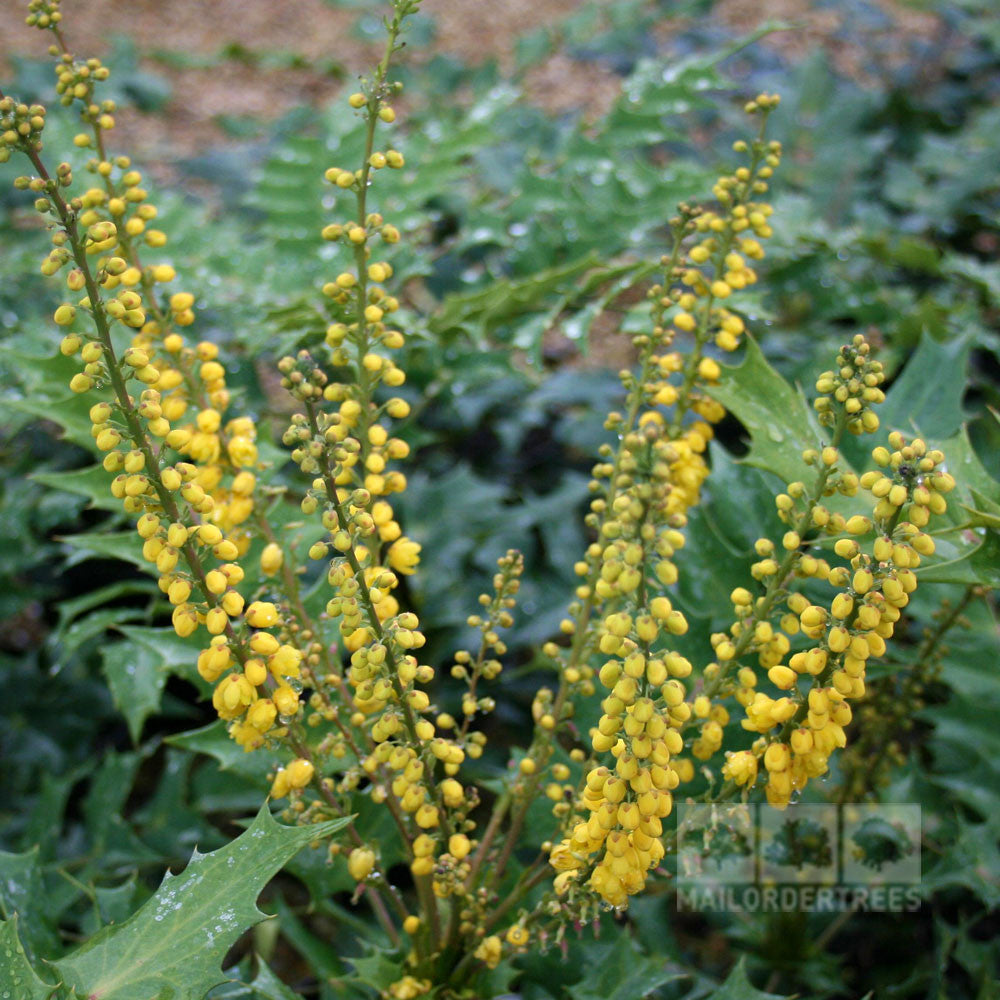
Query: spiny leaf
[(779, 420), (928, 394), (269, 987), (173, 947), (738, 987), (622, 972), (21, 894), (15, 971)]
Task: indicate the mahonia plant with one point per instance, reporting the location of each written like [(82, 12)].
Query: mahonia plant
[(357, 717)]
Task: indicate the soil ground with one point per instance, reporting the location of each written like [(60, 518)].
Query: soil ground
[(321, 32)]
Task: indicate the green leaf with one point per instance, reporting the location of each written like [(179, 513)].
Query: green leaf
[(72, 608), (928, 394), (179, 655), (780, 422), (173, 947), (319, 954), (971, 861), (985, 514), (114, 839), (92, 483), (21, 893), (738, 987), (214, 740), (964, 556), (505, 300), (115, 903), (123, 545), (71, 411), (378, 969), (269, 987), (620, 971), (136, 675), (15, 971), (969, 472)]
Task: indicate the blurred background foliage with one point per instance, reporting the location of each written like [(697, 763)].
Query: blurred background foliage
[(527, 228)]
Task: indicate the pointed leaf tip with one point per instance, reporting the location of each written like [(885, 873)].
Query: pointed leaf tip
[(174, 945)]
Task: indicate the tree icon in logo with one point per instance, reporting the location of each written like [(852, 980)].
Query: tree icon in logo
[(799, 843), (879, 842)]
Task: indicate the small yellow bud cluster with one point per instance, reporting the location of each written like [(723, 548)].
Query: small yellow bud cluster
[(638, 527), (43, 14), (357, 444), (486, 665), (887, 717), (181, 545), (913, 476), (727, 240), (358, 521), (853, 386), (490, 951), (75, 81), (110, 219), (373, 330), (182, 374), (347, 449), (20, 127), (410, 988)]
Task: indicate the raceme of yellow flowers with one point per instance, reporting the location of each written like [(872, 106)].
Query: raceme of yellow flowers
[(186, 467)]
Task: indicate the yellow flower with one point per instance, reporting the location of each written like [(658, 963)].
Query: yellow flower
[(271, 559), (300, 772), (404, 555), (242, 451), (262, 614), (490, 950), (360, 863), (518, 935), (409, 988)]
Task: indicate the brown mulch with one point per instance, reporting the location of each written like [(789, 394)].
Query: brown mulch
[(321, 33), (474, 30)]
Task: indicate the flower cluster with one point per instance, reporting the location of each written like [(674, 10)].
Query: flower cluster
[(800, 728), (649, 483), (177, 467), (346, 694)]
